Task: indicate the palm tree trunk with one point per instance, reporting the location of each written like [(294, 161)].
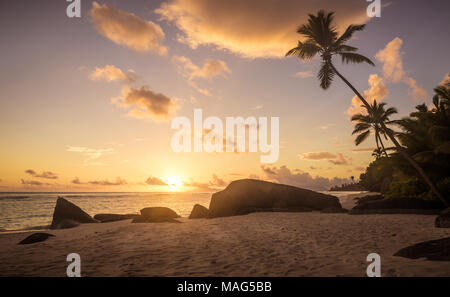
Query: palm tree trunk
[(376, 140), (382, 145), (391, 136)]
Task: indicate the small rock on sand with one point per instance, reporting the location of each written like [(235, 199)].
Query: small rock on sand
[(156, 215), (36, 237), (112, 217), (434, 250), (198, 212)]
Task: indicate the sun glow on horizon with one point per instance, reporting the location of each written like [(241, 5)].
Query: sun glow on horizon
[(174, 182)]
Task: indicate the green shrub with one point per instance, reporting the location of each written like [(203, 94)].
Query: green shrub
[(410, 188)]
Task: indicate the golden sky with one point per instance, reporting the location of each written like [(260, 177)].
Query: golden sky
[(87, 103)]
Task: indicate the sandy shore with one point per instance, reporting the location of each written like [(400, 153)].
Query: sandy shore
[(259, 244)]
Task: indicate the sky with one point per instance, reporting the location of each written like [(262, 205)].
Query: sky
[(86, 104)]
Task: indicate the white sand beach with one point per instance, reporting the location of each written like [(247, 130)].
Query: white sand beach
[(258, 244)]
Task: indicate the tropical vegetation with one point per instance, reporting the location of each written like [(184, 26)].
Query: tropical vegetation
[(321, 38)]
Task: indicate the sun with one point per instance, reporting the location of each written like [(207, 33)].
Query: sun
[(174, 182)]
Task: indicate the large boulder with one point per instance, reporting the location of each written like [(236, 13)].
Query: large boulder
[(249, 195), (199, 212), (112, 217), (156, 215), (398, 206), (367, 198), (68, 215), (443, 220)]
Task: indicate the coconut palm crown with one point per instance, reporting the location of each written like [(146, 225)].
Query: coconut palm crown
[(322, 39), (371, 121)]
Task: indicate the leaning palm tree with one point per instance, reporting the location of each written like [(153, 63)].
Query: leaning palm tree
[(370, 121), (322, 39)]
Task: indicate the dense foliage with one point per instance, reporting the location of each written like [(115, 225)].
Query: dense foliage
[(425, 134)]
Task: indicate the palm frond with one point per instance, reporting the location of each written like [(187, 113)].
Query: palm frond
[(345, 48), (349, 33), (304, 50), (361, 137), (360, 127), (354, 58), (325, 75), (361, 118)]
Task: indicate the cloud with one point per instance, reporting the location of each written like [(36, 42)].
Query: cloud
[(76, 181), (391, 57), (213, 185), (154, 181), (45, 174), (377, 91), (341, 160), (33, 183), (304, 74), (91, 154), (211, 68), (318, 156), (111, 73), (336, 159), (127, 29), (446, 80), (216, 181), (326, 127), (301, 179), (363, 150), (145, 103), (252, 28), (118, 182)]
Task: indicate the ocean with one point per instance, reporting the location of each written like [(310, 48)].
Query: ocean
[(34, 211)]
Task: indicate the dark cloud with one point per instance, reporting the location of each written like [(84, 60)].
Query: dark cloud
[(118, 182), (33, 183), (45, 174), (76, 181), (301, 179), (146, 103), (336, 159)]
